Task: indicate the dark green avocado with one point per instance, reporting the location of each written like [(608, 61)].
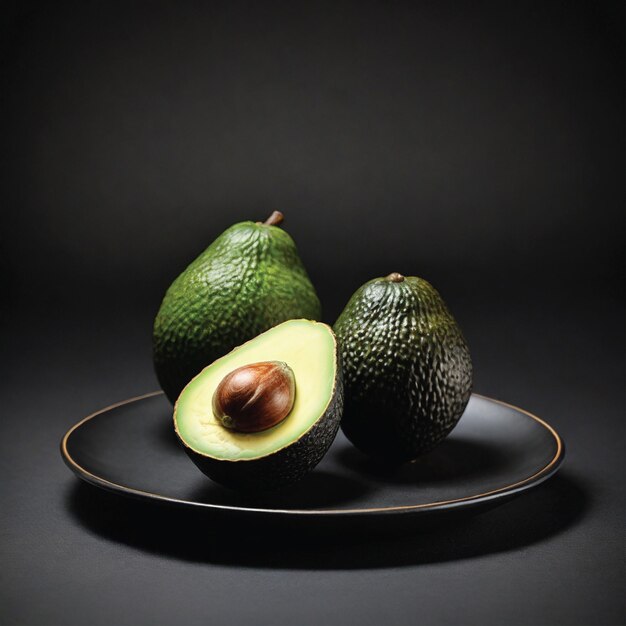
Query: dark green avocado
[(248, 280), (283, 453), (407, 368)]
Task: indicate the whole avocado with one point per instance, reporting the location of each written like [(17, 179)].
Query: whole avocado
[(247, 281), (407, 368)]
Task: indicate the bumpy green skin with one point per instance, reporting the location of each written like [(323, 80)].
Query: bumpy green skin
[(285, 466), (248, 280), (407, 369)]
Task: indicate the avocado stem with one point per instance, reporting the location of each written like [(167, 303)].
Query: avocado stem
[(394, 277), (274, 219)]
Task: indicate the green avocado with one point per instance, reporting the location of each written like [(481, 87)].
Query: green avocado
[(248, 280), (285, 452), (407, 368)]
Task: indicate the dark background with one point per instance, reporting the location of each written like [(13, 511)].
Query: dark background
[(478, 145)]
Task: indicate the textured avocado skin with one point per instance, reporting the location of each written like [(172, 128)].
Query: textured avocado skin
[(407, 369), (285, 466), (248, 280)]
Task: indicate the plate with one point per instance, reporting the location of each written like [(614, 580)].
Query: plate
[(496, 451)]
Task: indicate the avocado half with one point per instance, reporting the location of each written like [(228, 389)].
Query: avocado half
[(286, 452)]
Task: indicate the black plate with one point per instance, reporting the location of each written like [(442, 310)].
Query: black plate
[(496, 451)]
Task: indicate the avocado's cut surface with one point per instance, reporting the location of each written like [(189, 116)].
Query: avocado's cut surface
[(285, 452), (407, 368), (248, 280)]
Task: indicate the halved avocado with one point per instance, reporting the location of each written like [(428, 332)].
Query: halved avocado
[(281, 454)]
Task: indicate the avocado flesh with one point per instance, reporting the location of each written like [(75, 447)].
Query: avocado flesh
[(407, 368), (308, 348), (247, 281)]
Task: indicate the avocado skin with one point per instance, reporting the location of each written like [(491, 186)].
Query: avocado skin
[(248, 280), (285, 466), (407, 369)]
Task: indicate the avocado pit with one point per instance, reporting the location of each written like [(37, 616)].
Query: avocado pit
[(255, 397)]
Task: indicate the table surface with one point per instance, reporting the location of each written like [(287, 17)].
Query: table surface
[(72, 554)]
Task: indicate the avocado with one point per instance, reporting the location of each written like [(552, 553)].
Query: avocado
[(299, 352), (407, 368), (248, 280)]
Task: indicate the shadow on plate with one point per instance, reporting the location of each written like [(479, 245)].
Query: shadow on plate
[(164, 434), (297, 542), (320, 489), (455, 458)]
